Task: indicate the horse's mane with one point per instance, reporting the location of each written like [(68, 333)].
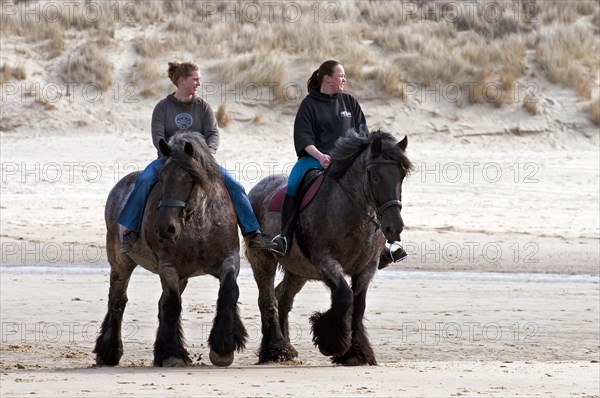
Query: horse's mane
[(348, 148), (202, 165)]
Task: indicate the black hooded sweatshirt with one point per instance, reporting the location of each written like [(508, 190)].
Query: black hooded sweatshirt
[(323, 118)]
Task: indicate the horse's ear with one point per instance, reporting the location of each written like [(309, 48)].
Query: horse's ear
[(164, 148), (188, 148), (403, 144), (376, 146)]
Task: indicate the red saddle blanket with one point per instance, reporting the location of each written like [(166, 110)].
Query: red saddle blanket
[(309, 194)]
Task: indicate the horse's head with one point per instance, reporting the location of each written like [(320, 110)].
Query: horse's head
[(387, 166), (187, 173)]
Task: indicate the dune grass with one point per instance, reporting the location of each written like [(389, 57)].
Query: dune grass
[(10, 73), (89, 66), (222, 115), (570, 55), (594, 111), (149, 79), (475, 48), (252, 78)]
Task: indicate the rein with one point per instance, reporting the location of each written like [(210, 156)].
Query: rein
[(370, 218)]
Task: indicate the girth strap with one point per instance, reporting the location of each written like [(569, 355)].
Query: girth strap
[(172, 203)]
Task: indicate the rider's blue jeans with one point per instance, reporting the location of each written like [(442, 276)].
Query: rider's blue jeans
[(131, 215), (303, 164)]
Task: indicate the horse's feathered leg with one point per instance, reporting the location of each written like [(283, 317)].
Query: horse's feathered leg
[(285, 292), (332, 329), (274, 347), (360, 352), (109, 345), (228, 333), (169, 347)]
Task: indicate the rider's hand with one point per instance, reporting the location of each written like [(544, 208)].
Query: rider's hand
[(325, 161)]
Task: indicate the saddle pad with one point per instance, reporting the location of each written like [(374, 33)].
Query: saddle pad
[(277, 199)]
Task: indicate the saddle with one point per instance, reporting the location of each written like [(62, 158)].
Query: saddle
[(309, 186)]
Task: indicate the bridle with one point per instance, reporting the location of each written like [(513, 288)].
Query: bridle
[(368, 193), (185, 213)]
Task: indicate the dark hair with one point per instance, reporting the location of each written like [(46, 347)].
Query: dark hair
[(180, 69), (316, 78)]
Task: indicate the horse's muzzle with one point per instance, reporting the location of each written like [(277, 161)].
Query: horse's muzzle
[(392, 230)]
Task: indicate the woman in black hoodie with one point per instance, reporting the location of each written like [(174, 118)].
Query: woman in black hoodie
[(325, 115)]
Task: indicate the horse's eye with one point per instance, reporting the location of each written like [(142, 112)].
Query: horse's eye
[(375, 178)]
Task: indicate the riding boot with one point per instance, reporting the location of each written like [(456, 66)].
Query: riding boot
[(289, 214), (387, 257), (128, 240)]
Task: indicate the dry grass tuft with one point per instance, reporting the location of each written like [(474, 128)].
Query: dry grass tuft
[(47, 105), (560, 11), (531, 104), (594, 111), (11, 73), (148, 46), (389, 80), (255, 78), (149, 80), (570, 55), (222, 115), (48, 24), (89, 66)]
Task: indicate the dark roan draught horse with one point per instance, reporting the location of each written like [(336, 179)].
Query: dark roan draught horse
[(340, 233), (189, 229)]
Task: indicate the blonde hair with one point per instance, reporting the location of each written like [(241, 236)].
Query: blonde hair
[(180, 69)]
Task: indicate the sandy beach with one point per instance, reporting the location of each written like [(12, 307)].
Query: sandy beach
[(433, 335)]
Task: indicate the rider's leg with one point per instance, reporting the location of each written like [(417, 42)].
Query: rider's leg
[(131, 215), (245, 215), (289, 209)]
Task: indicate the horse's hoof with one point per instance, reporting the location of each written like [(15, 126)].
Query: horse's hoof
[(354, 361), (173, 362), (280, 351), (221, 360), (102, 362)]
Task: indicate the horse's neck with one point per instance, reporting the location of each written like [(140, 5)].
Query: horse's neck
[(350, 189), (212, 199)]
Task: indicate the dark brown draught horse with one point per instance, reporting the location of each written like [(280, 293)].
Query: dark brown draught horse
[(189, 229), (341, 232)]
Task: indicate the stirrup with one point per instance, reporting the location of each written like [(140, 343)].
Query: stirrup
[(398, 254), (275, 250)]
